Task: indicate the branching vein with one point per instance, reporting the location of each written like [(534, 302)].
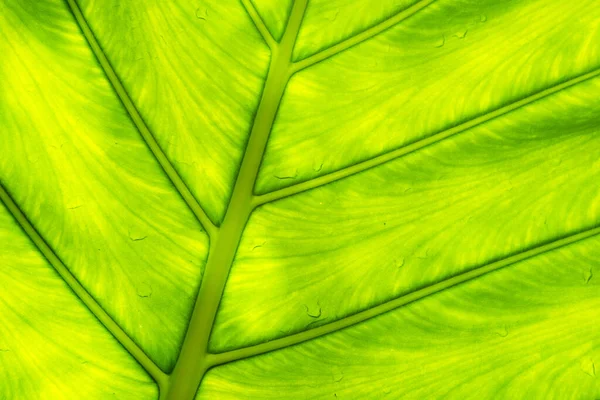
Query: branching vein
[(155, 372), (361, 37), (259, 23), (137, 119), (386, 157), (194, 359), (234, 355)]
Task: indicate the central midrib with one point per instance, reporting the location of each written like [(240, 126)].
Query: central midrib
[(194, 359)]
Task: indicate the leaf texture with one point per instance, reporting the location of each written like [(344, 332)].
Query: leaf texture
[(258, 199), (48, 340), (529, 331), (416, 220), (76, 166), (202, 67)]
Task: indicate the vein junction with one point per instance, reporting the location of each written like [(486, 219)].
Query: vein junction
[(194, 359)]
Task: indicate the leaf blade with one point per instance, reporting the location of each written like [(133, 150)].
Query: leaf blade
[(417, 295), (408, 89), (419, 219), (195, 73), (158, 153), (81, 293), (85, 180), (527, 331), (56, 336), (415, 146)]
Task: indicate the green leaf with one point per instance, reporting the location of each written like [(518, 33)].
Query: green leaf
[(260, 199)]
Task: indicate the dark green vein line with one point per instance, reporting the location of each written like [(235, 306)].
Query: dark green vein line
[(153, 145), (361, 37), (234, 355), (383, 158), (156, 373), (193, 362), (259, 23)]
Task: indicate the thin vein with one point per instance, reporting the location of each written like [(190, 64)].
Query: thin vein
[(137, 119), (389, 156), (86, 298), (277, 344), (259, 23), (361, 37)]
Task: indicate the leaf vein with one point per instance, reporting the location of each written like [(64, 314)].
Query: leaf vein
[(361, 37), (435, 138), (86, 298), (138, 121), (194, 358), (277, 344), (259, 23)]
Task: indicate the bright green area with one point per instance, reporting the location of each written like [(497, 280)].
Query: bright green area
[(51, 347), (500, 188), (194, 70), (328, 22), (529, 331), (76, 166), (299, 199), (421, 77)]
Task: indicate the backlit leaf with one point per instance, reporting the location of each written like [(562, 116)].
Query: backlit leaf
[(299, 199)]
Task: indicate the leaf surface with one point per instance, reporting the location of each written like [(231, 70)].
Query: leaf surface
[(83, 176), (300, 199), (529, 331), (195, 72), (48, 340)]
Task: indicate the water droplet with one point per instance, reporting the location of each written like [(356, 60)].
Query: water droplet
[(440, 42), (144, 290), (589, 367), (287, 175), (338, 374), (557, 161), (315, 312), (337, 12), (502, 332), (33, 159), (136, 236), (399, 262), (461, 34), (317, 166), (482, 18), (201, 14), (423, 254), (507, 185), (588, 275)]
